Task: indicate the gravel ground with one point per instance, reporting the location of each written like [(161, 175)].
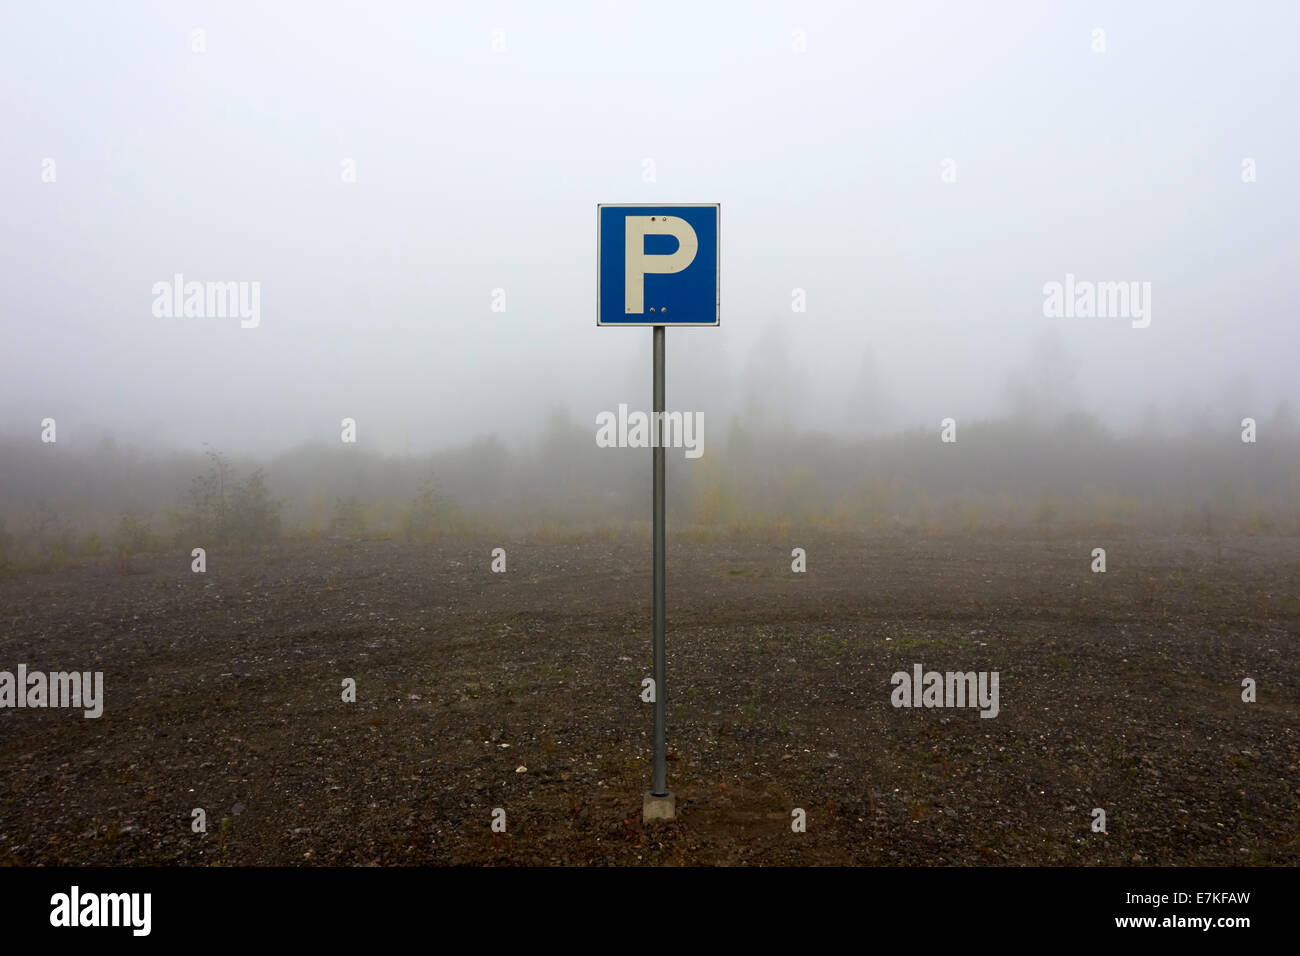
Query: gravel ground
[(521, 691)]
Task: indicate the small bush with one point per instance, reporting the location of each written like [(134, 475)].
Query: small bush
[(132, 535), (220, 508), (429, 512), (348, 517)]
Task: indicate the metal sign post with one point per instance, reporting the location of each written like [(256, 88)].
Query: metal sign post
[(658, 265), (660, 786)]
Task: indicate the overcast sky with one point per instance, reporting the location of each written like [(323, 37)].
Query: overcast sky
[(479, 169)]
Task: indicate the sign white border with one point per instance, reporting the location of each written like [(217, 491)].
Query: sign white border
[(717, 266)]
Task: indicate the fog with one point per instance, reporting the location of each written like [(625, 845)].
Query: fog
[(479, 170)]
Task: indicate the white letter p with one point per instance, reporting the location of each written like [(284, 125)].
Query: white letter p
[(639, 264)]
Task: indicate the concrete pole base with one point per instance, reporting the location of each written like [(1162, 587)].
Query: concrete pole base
[(657, 807)]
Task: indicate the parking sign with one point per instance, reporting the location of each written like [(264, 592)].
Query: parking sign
[(657, 264)]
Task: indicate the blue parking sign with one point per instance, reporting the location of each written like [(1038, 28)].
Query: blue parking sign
[(657, 265)]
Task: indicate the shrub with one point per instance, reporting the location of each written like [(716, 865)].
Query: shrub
[(253, 516), (348, 517), (427, 511), (220, 508), (132, 535)]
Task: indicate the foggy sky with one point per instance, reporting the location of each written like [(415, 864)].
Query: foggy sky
[(478, 170)]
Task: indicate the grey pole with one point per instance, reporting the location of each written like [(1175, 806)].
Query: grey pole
[(660, 787)]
